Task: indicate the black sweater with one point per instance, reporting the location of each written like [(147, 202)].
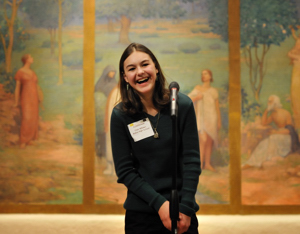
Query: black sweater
[(144, 167)]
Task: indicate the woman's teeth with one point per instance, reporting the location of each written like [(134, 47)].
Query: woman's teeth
[(142, 80)]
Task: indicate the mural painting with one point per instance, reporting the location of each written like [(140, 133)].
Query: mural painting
[(41, 102), (193, 51), (270, 103)]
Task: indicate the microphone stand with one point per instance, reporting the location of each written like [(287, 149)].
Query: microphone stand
[(174, 201)]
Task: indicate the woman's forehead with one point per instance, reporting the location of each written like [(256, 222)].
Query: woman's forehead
[(136, 57)]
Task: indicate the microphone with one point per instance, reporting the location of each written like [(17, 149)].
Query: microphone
[(174, 88)]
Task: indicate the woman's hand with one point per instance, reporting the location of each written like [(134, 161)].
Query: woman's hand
[(183, 224), (164, 214)]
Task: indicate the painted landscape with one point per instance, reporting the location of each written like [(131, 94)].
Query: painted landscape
[(48, 168), (270, 126), (184, 45)]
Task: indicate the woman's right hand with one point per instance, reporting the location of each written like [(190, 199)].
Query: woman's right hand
[(164, 214)]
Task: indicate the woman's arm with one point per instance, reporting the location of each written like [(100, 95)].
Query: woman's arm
[(195, 94), (17, 92), (265, 119), (191, 159)]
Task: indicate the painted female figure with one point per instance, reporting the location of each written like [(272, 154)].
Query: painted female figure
[(106, 83), (27, 94), (206, 102)]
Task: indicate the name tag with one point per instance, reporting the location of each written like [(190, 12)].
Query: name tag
[(141, 129)]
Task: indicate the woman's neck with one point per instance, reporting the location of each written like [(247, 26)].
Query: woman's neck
[(148, 105), (206, 85), (26, 66)]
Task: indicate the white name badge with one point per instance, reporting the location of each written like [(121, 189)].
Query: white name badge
[(141, 129)]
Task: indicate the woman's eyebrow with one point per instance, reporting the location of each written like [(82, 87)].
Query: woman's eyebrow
[(132, 65)]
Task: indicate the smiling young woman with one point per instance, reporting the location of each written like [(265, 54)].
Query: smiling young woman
[(129, 96), (140, 73), (141, 137)]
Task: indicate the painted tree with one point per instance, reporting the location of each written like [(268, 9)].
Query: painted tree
[(57, 14), (294, 55), (60, 23), (263, 24), (20, 36), (43, 19), (194, 5), (105, 9), (171, 10), (123, 12), (126, 11), (65, 10), (7, 31)]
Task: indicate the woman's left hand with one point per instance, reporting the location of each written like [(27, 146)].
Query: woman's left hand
[(164, 214), (183, 224)]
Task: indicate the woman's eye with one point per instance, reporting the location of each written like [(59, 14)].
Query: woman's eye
[(131, 69), (145, 64)]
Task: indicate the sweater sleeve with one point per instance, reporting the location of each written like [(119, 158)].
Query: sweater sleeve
[(124, 164), (191, 161)]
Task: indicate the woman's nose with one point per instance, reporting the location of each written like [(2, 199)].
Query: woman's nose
[(140, 70)]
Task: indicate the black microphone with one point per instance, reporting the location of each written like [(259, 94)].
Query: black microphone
[(174, 88)]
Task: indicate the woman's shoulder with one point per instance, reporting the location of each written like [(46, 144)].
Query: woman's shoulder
[(25, 71), (184, 99), (120, 115), (198, 87), (185, 106), (21, 70), (118, 109), (18, 74)]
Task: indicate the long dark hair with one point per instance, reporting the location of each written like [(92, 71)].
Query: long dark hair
[(131, 101)]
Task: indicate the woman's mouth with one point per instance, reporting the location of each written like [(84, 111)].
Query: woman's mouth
[(141, 81)]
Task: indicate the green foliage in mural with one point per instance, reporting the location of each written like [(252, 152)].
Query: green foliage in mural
[(262, 24), (266, 22), (19, 35), (41, 18), (49, 19), (8, 82), (218, 17), (127, 11), (250, 109)]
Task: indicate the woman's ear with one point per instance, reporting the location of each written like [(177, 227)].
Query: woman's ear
[(125, 77)]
